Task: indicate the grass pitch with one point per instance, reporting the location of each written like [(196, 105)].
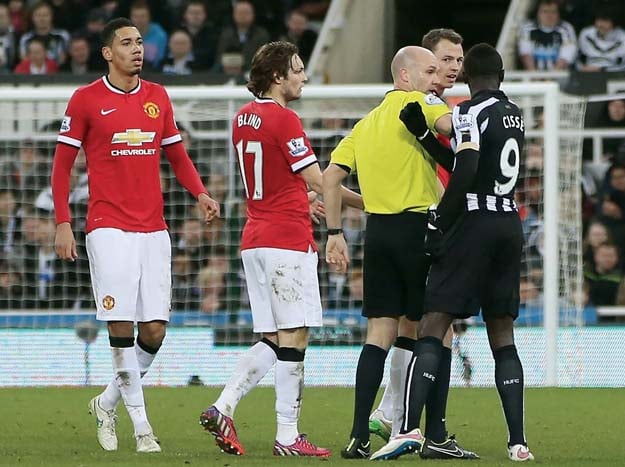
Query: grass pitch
[(51, 427)]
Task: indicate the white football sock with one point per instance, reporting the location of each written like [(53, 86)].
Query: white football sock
[(250, 369), (111, 396), (397, 384), (127, 377), (289, 386)]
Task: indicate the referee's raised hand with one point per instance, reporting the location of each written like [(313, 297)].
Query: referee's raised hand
[(414, 120)]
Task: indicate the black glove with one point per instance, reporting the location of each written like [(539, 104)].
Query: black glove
[(433, 245), (413, 118)]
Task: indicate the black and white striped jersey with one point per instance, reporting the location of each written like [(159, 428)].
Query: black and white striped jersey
[(493, 125)]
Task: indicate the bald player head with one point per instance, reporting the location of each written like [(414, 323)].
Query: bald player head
[(415, 69)]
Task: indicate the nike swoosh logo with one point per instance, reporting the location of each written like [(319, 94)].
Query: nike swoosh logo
[(106, 112), (456, 452)]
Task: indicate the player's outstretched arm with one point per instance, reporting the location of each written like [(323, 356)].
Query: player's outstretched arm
[(413, 118)]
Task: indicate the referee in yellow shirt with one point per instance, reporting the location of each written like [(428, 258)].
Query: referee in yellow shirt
[(398, 183)]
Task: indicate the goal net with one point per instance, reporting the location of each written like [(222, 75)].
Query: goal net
[(47, 304)]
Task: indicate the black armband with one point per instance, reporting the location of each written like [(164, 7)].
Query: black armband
[(443, 155), (335, 231)]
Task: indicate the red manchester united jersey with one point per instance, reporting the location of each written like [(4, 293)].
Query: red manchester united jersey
[(122, 134), (272, 148)]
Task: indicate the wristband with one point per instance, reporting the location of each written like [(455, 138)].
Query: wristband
[(335, 231), (422, 137)]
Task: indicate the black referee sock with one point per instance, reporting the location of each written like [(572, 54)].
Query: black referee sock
[(436, 404), (509, 381), (368, 379), (421, 379)]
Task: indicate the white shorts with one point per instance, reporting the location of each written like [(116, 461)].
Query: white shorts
[(283, 288), (130, 274)]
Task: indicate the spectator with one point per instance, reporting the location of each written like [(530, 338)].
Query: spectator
[(232, 67), (547, 43), (602, 45), (19, 16), (242, 35), (68, 14), (597, 234), (180, 59), (185, 295), (27, 171), (212, 284), (611, 206), (55, 40), (96, 19), (154, 36), (315, 10), (7, 41), (613, 116), (9, 227), (603, 281), (299, 34), (160, 11), (203, 35), (36, 62), (79, 57)]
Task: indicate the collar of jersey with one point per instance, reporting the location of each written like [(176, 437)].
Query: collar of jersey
[(116, 90), (265, 100)]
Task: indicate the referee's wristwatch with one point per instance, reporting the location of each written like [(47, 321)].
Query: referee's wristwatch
[(334, 231)]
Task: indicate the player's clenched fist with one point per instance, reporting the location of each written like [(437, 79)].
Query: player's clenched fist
[(413, 118), (209, 207)]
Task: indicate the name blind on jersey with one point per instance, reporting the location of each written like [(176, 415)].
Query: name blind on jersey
[(252, 120)]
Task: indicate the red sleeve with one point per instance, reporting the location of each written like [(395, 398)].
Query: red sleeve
[(64, 157), (294, 144), (442, 174), (184, 169), (23, 67)]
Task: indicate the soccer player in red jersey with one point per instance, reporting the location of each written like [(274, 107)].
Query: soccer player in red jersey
[(277, 166), (122, 122)]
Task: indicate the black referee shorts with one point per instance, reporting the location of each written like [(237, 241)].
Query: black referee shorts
[(480, 268), (395, 267)]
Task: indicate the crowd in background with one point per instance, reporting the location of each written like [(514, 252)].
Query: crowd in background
[(180, 37), (187, 36)]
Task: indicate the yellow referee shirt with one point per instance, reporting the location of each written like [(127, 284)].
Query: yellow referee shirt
[(395, 173)]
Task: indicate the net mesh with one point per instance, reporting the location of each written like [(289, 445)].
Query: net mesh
[(39, 292)]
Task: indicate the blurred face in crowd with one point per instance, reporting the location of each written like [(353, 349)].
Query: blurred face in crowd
[(180, 44), (243, 15), (5, 18), (16, 5), (604, 26), (195, 15), (140, 17), (79, 51), (42, 18), (7, 204), (36, 53), (297, 24), (597, 234), (616, 110), (548, 15), (450, 57), (606, 258), (617, 178)]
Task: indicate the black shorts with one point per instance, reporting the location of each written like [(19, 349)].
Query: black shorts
[(480, 268), (395, 267)]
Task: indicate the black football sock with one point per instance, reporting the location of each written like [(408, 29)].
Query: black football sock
[(436, 404), (368, 379), (421, 379), (509, 381)]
